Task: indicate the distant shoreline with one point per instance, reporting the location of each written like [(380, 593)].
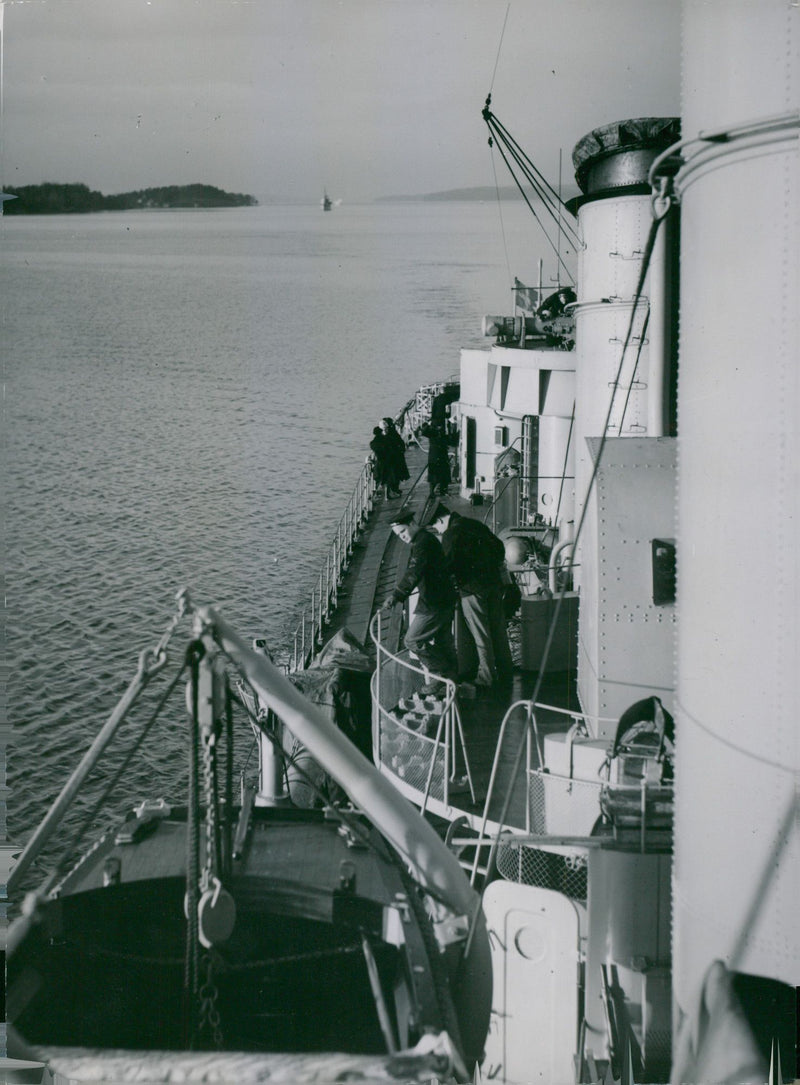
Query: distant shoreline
[(61, 199), (71, 199)]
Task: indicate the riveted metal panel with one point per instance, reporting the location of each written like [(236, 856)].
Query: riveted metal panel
[(614, 232), (627, 642)]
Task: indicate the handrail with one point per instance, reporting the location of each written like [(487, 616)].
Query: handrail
[(448, 721), (325, 593), (324, 599), (531, 728)]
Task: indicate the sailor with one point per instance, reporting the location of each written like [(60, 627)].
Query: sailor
[(476, 559), (438, 458), (396, 467), (380, 455), (430, 634)]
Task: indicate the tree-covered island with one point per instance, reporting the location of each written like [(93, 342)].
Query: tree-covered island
[(53, 199)]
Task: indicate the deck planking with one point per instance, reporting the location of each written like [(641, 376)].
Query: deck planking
[(379, 558)]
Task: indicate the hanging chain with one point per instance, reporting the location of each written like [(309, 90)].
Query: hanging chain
[(153, 659), (208, 1014), (209, 741)]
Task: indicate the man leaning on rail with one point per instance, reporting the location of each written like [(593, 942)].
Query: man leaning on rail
[(476, 559), (430, 634)]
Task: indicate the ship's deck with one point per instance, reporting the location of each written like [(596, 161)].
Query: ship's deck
[(378, 560)]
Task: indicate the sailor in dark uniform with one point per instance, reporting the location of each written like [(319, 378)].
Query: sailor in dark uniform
[(430, 634)]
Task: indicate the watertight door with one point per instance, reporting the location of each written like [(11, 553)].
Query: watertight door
[(534, 936)]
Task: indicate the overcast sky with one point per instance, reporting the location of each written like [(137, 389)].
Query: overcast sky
[(281, 98)]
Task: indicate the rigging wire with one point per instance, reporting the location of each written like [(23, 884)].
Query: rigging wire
[(111, 786), (536, 178), (500, 214), (491, 155), (537, 181), (545, 201), (500, 46), (551, 201)]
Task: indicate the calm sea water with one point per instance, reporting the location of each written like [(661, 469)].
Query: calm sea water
[(189, 400)]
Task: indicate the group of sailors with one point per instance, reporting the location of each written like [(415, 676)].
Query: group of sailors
[(389, 457), (460, 563), (456, 562), (388, 448)]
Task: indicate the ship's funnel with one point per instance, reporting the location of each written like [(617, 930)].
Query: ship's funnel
[(619, 155)]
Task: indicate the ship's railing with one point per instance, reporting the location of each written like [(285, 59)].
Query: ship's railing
[(514, 498), (569, 802), (419, 743), (566, 804), (308, 634), (418, 409), (325, 593)]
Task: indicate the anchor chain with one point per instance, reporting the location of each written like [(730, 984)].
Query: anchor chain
[(208, 741), (208, 1015)]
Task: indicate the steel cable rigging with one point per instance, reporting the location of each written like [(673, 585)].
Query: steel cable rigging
[(552, 203)]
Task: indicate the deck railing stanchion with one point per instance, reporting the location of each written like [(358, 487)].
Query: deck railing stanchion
[(437, 742), (378, 703), (460, 730), (528, 776), (446, 761)]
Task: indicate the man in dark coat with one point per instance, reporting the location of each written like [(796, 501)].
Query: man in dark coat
[(430, 634), (378, 447), (475, 557), (438, 458), (396, 467)]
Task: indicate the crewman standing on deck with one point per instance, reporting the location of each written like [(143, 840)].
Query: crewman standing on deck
[(396, 467), (475, 557), (380, 455), (438, 458), (430, 634)]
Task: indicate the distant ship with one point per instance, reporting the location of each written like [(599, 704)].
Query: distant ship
[(326, 202)]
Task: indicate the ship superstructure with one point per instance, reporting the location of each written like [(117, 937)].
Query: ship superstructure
[(617, 452)]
